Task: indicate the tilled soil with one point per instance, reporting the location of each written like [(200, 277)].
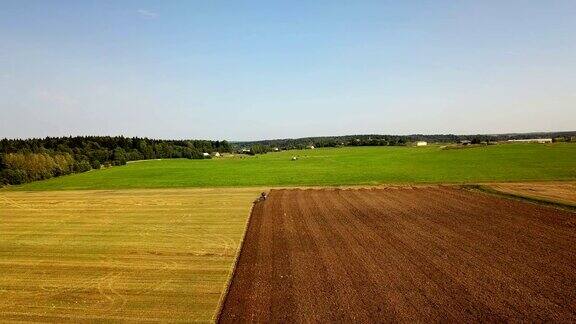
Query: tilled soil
[(383, 255)]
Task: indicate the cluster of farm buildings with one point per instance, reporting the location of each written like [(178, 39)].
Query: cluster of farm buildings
[(529, 140)]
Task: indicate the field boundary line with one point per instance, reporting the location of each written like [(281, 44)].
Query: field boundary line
[(232, 272), (356, 185), (525, 198)]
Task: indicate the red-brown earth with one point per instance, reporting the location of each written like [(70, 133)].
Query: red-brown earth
[(420, 254)]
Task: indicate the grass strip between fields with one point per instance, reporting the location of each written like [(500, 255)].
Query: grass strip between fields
[(530, 199)]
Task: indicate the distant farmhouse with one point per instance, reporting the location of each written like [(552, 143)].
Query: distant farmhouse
[(421, 143), (532, 140)]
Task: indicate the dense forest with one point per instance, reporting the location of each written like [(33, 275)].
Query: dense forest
[(36, 159), (255, 147)]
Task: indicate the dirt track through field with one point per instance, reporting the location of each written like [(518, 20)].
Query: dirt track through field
[(426, 254)]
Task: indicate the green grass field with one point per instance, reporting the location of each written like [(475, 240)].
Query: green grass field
[(341, 166)]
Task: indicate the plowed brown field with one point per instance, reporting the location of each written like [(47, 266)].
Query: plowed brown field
[(427, 254)]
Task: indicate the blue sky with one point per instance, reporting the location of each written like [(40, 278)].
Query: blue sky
[(242, 70)]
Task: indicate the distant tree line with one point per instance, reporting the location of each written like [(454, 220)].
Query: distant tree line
[(258, 147), (264, 146), (26, 160)]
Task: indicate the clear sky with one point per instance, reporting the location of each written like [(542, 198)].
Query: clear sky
[(241, 70)]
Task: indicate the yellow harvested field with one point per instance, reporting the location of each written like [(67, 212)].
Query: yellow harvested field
[(161, 255), (563, 192)]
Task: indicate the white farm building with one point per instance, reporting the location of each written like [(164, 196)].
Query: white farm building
[(421, 143)]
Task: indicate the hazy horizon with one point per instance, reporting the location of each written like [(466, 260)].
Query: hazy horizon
[(259, 70), (285, 138)]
